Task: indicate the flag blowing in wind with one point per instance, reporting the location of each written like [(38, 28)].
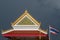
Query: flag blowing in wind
[(53, 30)]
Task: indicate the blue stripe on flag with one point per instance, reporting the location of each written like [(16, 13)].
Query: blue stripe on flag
[(53, 30)]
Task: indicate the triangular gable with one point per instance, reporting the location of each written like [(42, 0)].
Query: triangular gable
[(25, 21), (29, 20)]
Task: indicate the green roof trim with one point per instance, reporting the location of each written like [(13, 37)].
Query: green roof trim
[(25, 21)]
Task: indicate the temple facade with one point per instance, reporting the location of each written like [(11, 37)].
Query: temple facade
[(26, 28)]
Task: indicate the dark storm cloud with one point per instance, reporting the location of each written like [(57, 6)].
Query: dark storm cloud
[(51, 3), (45, 11)]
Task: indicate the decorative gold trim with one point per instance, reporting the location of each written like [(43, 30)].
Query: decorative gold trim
[(43, 31), (6, 31), (33, 19), (40, 30), (25, 13)]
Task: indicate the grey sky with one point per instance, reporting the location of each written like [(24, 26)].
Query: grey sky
[(45, 11)]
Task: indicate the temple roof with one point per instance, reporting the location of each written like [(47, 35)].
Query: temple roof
[(40, 30), (24, 33), (26, 19)]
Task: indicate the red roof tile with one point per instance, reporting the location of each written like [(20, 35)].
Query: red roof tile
[(24, 33)]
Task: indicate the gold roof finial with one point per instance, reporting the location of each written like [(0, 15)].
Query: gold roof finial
[(26, 11)]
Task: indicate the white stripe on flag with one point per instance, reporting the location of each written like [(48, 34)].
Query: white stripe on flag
[(52, 32), (53, 28)]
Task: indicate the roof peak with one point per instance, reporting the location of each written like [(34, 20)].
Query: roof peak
[(25, 14), (26, 11)]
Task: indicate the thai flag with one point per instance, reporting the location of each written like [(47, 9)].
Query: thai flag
[(53, 30)]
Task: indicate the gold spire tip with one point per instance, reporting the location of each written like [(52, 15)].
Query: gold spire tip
[(26, 11)]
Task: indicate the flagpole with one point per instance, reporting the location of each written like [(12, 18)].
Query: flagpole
[(49, 32)]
